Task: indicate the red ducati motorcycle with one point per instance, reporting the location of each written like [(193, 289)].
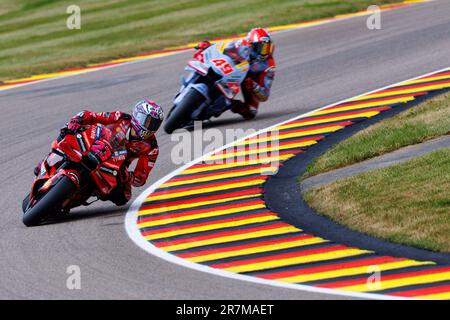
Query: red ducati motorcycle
[(82, 165)]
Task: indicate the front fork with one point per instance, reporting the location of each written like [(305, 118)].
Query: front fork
[(71, 174)]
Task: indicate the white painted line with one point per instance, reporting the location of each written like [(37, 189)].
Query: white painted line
[(134, 233)]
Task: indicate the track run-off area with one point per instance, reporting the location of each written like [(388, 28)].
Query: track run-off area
[(213, 211), (316, 66)]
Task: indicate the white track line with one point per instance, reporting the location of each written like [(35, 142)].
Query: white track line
[(134, 233)]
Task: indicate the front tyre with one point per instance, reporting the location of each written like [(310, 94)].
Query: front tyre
[(25, 203), (180, 115), (49, 203)]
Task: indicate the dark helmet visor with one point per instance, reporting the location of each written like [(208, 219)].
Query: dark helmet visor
[(262, 48)]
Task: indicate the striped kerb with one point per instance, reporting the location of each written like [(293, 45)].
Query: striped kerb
[(213, 213)]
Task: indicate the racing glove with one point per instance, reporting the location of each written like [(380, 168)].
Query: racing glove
[(75, 123), (69, 128)]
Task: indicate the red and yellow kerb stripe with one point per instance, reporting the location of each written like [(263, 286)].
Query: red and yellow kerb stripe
[(213, 213)]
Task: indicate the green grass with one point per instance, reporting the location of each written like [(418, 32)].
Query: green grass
[(407, 203), (34, 38), (423, 122)]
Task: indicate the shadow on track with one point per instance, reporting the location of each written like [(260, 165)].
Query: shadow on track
[(89, 213), (220, 122)]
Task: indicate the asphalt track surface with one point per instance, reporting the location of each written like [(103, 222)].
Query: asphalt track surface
[(316, 66)]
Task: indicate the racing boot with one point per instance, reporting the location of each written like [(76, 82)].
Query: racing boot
[(246, 111)]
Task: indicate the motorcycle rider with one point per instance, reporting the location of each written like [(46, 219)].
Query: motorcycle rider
[(142, 124), (256, 86)]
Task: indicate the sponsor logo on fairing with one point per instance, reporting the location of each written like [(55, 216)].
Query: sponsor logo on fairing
[(81, 143), (108, 170), (98, 132)]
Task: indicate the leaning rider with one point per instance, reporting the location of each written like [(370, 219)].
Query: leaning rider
[(257, 84), (141, 144)]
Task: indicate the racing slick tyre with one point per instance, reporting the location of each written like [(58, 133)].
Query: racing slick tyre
[(49, 203), (25, 203), (180, 115)]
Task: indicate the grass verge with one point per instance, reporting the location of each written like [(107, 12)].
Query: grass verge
[(426, 121), (34, 38), (407, 203)]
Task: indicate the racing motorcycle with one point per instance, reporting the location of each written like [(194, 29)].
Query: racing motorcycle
[(83, 164), (214, 79)]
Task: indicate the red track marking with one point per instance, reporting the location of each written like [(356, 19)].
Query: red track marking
[(247, 148), (233, 194), (245, 246), (210, 185), (421, 291), (274, 225), (242, 159), (199, 211), (446, 73), (201, 224), (416, 86), (312, 128), (15, 83), (271, 143), (329, 267), (196, 176), (302, 120), (363, 280), (261, 156), (298, 253), (349, 104), (317, 127)]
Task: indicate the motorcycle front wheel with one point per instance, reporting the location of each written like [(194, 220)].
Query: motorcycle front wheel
[(180, 115), (25, 203), (49, 203)]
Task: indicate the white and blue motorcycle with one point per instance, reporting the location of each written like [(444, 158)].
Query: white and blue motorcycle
[(215, 78)]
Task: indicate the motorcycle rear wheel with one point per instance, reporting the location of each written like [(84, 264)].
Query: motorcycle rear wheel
[(180, 115), (49, 203)]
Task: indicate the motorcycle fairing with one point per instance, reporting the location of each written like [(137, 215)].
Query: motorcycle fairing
[(90, 149), (226, 77)]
